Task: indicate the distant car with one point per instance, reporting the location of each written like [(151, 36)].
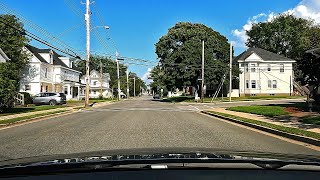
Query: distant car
[(123, 95), (156, 96), (50, 98)]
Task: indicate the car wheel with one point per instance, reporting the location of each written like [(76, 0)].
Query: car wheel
[(52, 103)]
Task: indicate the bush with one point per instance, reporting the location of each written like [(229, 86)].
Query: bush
[(27, 98), (317, 99)]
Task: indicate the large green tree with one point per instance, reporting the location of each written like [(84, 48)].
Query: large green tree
[(180, 52), (286, 35), (12, 42)]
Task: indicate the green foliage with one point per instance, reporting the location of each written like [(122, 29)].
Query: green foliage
[(110, 66), (312, 120), (270, 111), (180, 52), (27, 98), (12, 42)]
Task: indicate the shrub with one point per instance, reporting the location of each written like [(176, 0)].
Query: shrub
[(27, 98)]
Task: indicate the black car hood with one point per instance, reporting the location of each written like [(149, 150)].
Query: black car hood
[(158, 153)]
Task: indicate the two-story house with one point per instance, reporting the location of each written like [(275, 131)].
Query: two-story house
[(96, 86), (50, 72), (264, 73)]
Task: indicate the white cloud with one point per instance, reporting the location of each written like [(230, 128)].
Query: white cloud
[(305, 9), (146, 75)]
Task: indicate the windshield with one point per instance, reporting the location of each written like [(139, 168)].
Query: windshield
[(231, 76)]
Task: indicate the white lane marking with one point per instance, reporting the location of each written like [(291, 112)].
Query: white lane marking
[(194, 107)]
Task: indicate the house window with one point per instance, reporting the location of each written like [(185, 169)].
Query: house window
[(27, 87), (241, 65), (247, 84), (269, 67), (269, 83), (274, 84), (94, 83), (46, 88), (94, 92), (247, 67), (281, 67), (66, 90), (253, 68), (46, 73), (253, 84)]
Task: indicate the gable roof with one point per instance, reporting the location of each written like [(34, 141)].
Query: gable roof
[(264, 54), (56, 59), (4, 55)]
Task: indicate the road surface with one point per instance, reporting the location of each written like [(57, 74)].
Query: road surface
[(137, 123)]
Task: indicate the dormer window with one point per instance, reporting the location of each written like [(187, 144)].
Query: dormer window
[(51, 57)]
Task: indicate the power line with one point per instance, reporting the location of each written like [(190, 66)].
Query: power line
[(38, 28)]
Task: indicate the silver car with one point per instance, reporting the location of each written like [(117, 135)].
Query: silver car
[(50, 98)]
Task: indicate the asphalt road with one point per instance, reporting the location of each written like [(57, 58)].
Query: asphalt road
[(138, 123)]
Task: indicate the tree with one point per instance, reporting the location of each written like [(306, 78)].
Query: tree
[(286, 35), (110, 66), (180, 52), (12, 42)]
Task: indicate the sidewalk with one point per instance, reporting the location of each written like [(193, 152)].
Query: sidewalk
[(100, 104), (283, 121), (33, 113)]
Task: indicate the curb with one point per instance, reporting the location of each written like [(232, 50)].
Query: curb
[(269, 130)]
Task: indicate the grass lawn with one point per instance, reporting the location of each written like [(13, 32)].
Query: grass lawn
[(273, 126), (269, 111), (312, 120), (8, 121), (18, 110)]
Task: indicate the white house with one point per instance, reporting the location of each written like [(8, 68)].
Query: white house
[(3, 57), (264, 73), (49, 72), (95, 84)]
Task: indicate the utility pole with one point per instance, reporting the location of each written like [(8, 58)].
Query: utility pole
[(127, 83), (87, 19), (101, 74), (202, 73), (230, 73), (118, 74), (134, 86)]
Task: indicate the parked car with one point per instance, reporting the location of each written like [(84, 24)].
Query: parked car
[(123, 95), (50, 98), (156, 96)]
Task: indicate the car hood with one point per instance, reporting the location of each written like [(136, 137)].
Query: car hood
[(159, 154)]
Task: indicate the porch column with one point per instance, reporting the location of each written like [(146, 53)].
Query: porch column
[(78, 97), (68, 89)]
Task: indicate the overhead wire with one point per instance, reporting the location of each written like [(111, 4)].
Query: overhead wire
[(39, 29)]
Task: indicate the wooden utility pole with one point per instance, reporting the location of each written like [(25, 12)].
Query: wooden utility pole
[(230, 73), (118, 74), (127, 83), (101, 80), (202, 73), (87, 19)]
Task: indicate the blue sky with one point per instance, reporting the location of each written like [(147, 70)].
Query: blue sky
[(135, 26)]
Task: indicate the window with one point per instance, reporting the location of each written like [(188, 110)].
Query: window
[(247, 67), (253, 84), (269, 67), (46, 73), (274, 84), (247, 84), (94, 83), (27, 87), (46, 88), (281, 67), (241, 65), (253, 68), (94, 92), (65, 90), (269, 83)]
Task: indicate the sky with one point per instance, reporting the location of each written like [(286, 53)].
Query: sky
[(136, 25)]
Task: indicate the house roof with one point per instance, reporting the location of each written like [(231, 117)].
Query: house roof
[(315, 52), (4, 55), (264, 54), (56, 59)]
